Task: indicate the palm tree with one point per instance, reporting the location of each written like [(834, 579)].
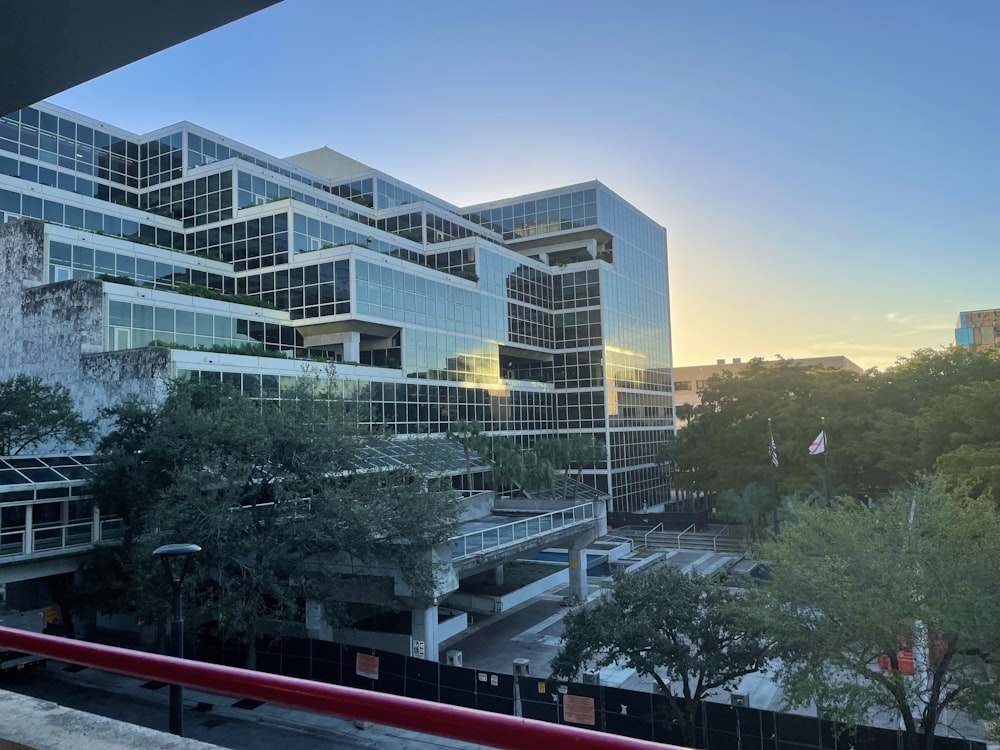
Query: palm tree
[(465, 433), (508, 465), (685, 412), (753, 508)]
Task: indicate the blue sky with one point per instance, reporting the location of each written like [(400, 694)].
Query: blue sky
[(828, 173)]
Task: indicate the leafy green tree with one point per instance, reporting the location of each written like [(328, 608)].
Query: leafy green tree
[(33, 413), (960, 435), (852, 583), (685, 632), (271, 495)]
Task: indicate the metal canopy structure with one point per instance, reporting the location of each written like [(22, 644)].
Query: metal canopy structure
[(429, 457), (567, 489), (46, 48)]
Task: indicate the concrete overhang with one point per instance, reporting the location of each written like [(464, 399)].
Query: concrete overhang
[(49, 47), (522, 244), (316, 331)]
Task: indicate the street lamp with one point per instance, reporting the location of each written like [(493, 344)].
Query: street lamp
[(167, 553)]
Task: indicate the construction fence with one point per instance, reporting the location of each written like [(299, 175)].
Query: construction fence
[(614, 710)]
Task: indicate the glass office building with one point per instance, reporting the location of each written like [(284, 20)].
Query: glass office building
[(977, 329), (540, 315)]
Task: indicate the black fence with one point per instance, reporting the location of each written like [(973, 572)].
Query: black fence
[(627, 713)]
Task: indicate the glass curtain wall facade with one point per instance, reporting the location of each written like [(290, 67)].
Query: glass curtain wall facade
[(536, 316)]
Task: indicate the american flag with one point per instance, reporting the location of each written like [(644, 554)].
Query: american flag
[(773, 450)]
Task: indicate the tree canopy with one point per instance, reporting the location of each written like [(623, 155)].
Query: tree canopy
[(916, 572), (271, 494), (685, 632), (33, 413), (937, 410)]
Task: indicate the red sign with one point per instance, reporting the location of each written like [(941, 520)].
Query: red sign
[(579, 709), (905, 661), (366, 665)]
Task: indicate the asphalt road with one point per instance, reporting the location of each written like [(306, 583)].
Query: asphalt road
[(125, 699)]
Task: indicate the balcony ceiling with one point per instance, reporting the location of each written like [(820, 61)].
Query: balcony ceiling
[(48, 47)]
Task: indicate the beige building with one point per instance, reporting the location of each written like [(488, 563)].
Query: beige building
[(690, 381)]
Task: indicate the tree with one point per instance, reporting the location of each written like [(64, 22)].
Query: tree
[(33, 413), (685, 412), (270, 493), (571, 452), (852, 584), (753, 507), (686, 633), (465, 433)]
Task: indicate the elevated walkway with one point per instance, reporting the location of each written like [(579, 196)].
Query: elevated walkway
[(493, 538)]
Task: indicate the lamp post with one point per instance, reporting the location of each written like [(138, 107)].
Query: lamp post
[(167, 553)]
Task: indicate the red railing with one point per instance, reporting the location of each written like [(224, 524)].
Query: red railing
[(456, 722)]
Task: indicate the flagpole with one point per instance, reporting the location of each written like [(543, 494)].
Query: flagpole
[(773, 450), (826, 447)]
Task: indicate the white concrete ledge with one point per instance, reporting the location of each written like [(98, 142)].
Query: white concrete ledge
[(32, 724)]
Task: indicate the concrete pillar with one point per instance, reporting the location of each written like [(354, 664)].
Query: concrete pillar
[(29, 530), (424, 628), (95, 529), (352, 347), (498, 575), (578, 572)]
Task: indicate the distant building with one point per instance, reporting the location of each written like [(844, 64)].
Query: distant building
[(689, 382), (978, 328)]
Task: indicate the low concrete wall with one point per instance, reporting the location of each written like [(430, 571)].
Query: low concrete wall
[(527, 504), (614, 551), (395, 643), (452, 626), (475, 506), (31, 723)]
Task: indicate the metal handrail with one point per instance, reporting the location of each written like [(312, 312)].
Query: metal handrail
[(689, 528), (576, 514), (645, 539), (715, 539), (442, 720)]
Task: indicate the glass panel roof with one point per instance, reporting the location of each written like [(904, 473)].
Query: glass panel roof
[(568, 489), (427, 456), (16, 471)]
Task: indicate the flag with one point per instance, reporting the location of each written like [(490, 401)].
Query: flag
[(773, 450), (818, 445)]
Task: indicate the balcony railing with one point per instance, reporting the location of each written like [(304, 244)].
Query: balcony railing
[(55, 537), (509, 534), (467, 724)]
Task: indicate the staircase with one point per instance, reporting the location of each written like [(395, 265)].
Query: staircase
[(714, 539)]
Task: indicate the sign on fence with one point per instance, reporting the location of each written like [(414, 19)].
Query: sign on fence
[(579, 709), (366, 665)]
